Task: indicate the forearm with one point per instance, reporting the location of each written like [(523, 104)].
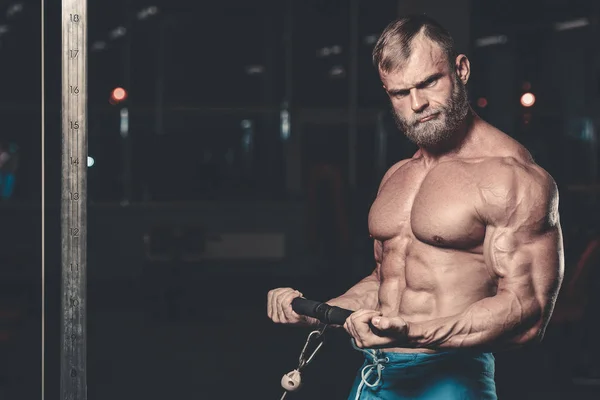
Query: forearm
[(363, 295), (498, 322)]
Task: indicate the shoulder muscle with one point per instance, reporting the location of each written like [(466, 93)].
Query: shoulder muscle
[(514, 193)]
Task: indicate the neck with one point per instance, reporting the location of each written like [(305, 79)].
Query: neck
[(455, 145)]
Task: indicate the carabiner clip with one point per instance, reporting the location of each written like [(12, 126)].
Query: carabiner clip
[(314, 335), (292, 380)]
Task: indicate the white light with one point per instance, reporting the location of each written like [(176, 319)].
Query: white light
[(327, 51), (98, 45), (248, 132), (576, 23), (247, 140), (124, 122), (14, 9), (147, 12), (370, 39), (118, 32), (285, 124), (491, 40), (337, 71), (588, 130), (255, 69), (4, 29), (90, 162), (324, 52)]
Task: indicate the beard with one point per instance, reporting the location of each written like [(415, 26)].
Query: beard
[(443, 126)]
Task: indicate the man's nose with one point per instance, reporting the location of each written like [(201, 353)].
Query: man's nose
[(418, 102)]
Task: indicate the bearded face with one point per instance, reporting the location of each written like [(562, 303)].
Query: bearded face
[(428, 93), (443, 121)]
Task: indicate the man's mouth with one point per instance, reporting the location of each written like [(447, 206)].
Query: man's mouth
[(427, 118)]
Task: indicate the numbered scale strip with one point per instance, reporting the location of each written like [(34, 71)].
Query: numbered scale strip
[(74, 198)]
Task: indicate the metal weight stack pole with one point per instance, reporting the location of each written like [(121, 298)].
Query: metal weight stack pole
[(74, 200), (353, 95)]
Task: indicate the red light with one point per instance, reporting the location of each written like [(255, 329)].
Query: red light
[(482, 102), (527, 100), (118, 94)]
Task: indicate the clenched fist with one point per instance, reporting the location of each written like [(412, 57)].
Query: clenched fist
[(279, 307), (371, 330)]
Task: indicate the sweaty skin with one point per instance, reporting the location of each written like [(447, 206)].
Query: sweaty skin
[(467, 238)]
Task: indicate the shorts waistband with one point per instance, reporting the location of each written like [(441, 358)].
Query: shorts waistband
[(398, 357)]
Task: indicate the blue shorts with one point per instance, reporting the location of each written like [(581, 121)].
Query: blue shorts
[(448, 375)]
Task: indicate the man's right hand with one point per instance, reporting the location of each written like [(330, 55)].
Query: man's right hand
[(279, 308)]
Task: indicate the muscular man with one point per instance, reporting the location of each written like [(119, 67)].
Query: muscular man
[(467, 237)]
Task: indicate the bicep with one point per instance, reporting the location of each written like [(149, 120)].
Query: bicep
[(529, 265), (524, 246)]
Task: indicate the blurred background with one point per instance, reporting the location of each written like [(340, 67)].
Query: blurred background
[(235, 147)]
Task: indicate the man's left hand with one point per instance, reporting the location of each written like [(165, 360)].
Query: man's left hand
[(372, 330)]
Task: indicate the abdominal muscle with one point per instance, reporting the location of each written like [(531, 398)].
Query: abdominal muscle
[(432, 283)]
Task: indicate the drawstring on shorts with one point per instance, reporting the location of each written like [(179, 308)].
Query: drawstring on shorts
[(377, 364)]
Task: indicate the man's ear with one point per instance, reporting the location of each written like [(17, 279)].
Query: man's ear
[(463, 68)]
